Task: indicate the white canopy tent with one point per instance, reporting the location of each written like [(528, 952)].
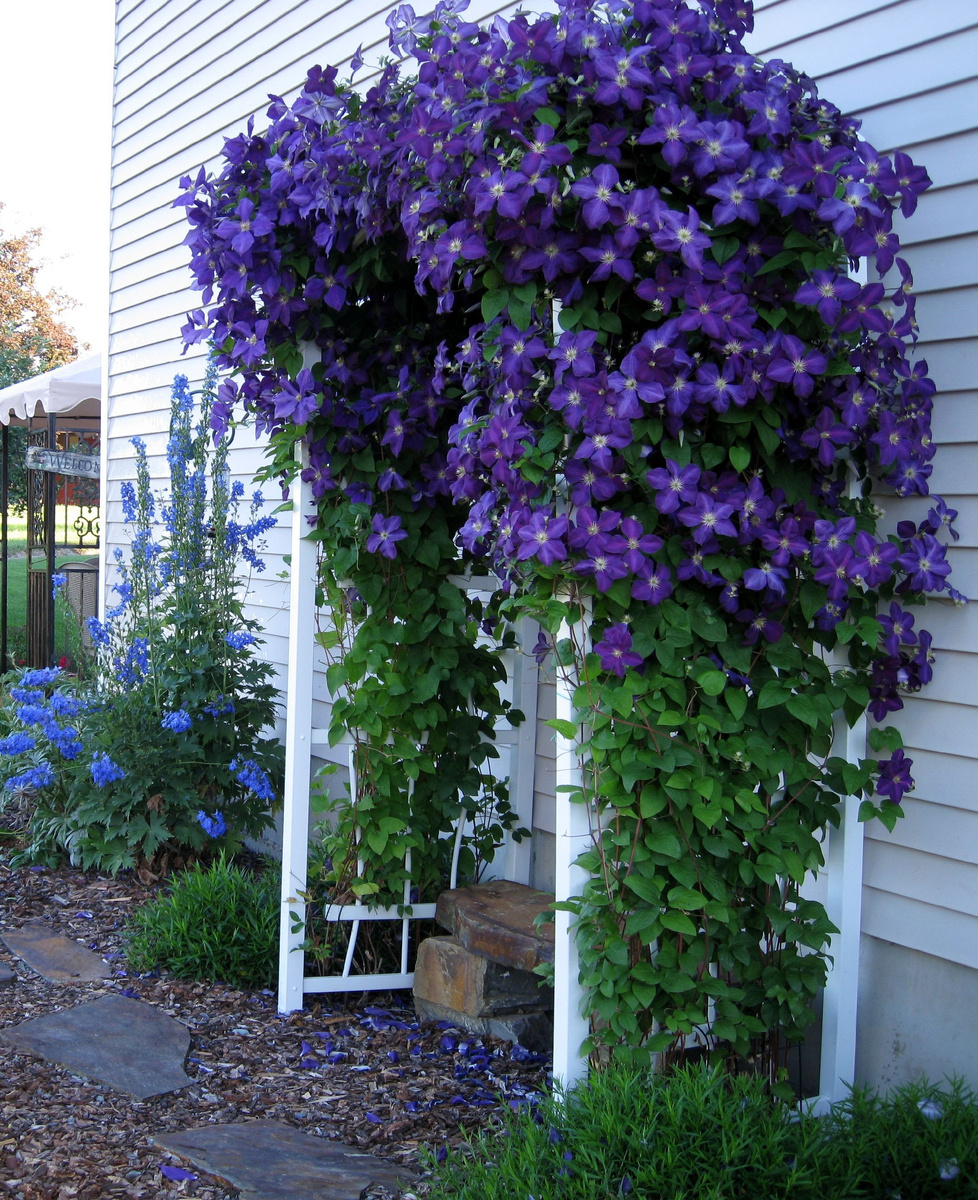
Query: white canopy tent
[(65, 389), (75, 389)]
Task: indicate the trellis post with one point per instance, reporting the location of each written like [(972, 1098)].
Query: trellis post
[(298, 747), (573, 836), (844, 908)]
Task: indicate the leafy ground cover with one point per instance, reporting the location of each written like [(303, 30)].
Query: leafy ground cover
[(698, 1134)]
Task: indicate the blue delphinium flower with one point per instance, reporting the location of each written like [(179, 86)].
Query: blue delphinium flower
[(66, 740), (239, 639), (34, 779), (104, 770), (213, 826), (17, 743), (40, 677), (178, 722), (66, 706), (58, 581), (248, 772), (33, 714), (98, 632)]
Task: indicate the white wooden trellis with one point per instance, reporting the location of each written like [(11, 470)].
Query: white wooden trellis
[(574, 833), (303, 741)]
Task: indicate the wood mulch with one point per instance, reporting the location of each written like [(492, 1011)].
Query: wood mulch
[(359, 1069)]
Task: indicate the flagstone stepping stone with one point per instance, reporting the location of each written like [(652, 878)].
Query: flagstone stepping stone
[(7, 976), (127, 1044), (269, 1160), (496, 919), (56, 958)]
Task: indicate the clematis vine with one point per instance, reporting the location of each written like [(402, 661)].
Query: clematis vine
[(578, 290)]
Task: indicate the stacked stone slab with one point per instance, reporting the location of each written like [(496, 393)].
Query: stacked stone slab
[(480, 977)]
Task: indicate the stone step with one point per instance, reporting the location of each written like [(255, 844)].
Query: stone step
[(532, 1030), (127, 1044), (269, 1160), (55, 957), (447, 974), (497, 920)]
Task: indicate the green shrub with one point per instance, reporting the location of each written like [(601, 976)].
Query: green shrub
[(218, 922), (697, 1134)]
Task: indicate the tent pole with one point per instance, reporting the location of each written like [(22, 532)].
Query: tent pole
[(50, 536), (5, 493)]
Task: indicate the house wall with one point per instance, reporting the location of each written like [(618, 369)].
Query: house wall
[(188, 74), (906, 69)]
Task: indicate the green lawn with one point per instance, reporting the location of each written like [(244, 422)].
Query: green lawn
[(17, 584), (17, 528), (16, 534)]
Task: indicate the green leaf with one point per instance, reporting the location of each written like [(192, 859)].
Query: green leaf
[(547, 116), (336, 677), (739, 457), (520, 313), (566, 729), (639, 921), (803, 708), (712, 682), (724, 248), (885, 737), (736, 701), (647, 889), (772, 693), (777, 262), (770, 438), (493, 304), (662, 841), (678, 922)]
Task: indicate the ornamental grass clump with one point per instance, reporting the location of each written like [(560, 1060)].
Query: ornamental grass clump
[(218, 922), (163, 754), (576, 298)]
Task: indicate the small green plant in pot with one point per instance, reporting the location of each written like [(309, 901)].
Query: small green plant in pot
[(218, 922)]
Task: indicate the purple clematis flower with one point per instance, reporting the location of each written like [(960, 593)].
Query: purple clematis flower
[(795, 364), (542, 537), (673, 485), (387, 532), (895, 779), (615, 651)]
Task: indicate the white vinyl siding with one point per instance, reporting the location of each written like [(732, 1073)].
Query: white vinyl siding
[(907, 71)]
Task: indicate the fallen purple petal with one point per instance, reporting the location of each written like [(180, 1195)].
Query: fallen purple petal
[(177, 1174)]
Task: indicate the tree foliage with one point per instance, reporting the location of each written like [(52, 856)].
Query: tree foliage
[(32, 339)]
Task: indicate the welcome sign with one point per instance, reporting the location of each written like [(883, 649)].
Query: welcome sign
[(63, 462)]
